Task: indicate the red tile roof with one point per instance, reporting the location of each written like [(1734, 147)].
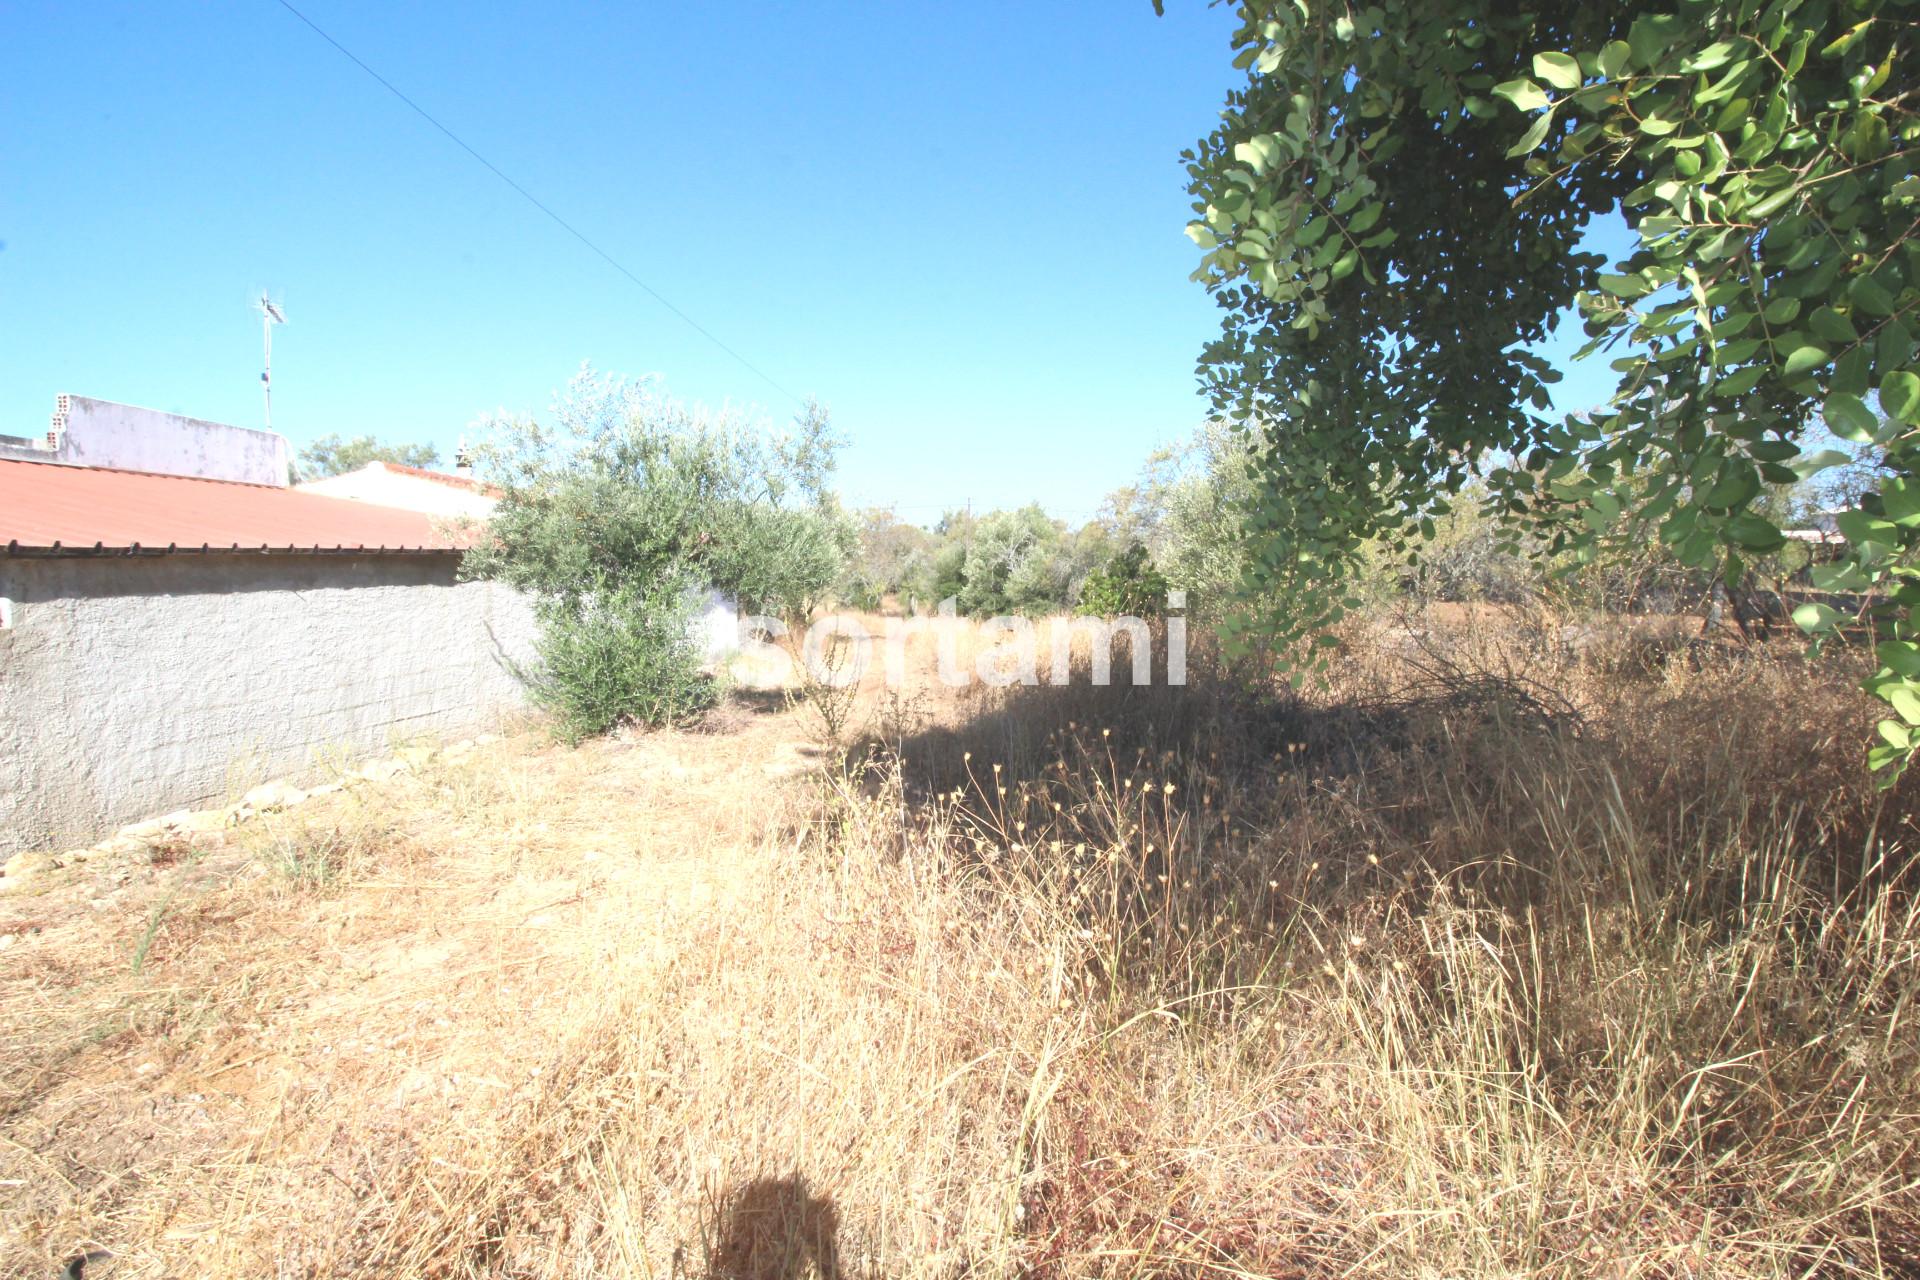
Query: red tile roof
[(443, 477), (46, 506)]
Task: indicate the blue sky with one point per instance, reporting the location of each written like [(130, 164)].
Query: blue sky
[(960, 226)]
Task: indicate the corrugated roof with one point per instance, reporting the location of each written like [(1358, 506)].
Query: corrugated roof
[(48, 506)]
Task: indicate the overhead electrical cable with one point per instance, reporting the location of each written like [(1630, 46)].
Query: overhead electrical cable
[(543, 207)]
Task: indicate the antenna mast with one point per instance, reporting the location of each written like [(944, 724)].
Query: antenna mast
[(270, 315)]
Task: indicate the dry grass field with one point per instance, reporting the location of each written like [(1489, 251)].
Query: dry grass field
[(1516, 951)]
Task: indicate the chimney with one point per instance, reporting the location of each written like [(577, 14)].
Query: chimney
[(62, 407), (463, 460)]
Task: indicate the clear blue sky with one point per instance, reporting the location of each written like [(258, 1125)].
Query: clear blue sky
[(958, 225)]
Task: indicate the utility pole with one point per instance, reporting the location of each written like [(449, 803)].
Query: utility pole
[(270, 315)]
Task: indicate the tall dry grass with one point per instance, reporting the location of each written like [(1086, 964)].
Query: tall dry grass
[(1501, 957), (1511, 962), (1512, 953)]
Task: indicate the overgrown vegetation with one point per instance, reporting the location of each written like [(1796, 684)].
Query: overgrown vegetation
[(1128, 584), (1420, 975), (1503, 956), (1510, 953), (1549, 934), (623, 513)]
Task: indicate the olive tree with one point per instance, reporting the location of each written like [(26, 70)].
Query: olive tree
[(623, 508)]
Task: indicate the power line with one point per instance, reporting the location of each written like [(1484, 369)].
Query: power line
[(536, 202)]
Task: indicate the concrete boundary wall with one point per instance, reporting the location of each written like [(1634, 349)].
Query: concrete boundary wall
[(133, 686)]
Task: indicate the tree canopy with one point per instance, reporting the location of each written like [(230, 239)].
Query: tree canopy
[(334, 455), (626, 488), (1391, 212)]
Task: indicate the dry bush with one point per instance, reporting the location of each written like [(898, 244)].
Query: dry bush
[(825, 686), (309, 851), (1588, 974)]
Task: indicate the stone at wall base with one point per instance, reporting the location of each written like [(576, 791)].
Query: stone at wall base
[(22, 865), (269, 796)]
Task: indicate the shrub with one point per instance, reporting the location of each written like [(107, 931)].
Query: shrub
[(945, 571), (627, 508), (624, 656), (1012, 564), (1128, 584)]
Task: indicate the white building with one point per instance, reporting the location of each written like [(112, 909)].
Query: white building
[(167, 639), (388, 484), (125, 437)]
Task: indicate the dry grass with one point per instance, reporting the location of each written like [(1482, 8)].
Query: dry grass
[(1510, 955)]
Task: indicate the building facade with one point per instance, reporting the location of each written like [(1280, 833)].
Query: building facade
[(168, 641)]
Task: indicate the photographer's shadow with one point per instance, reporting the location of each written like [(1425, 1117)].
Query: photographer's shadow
[(776, 1229)]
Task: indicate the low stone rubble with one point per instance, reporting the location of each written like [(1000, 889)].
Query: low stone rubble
[(22, 869)]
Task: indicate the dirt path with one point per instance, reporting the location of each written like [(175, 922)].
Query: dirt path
[(287, 1022)]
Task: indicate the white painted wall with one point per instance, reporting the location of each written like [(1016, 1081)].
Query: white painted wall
[(133, 686), (101, 433), (715, 626), (377, 484)]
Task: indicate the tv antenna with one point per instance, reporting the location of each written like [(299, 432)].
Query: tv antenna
[(270, 315)]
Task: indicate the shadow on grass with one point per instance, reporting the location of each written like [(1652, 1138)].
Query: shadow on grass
[(740, 707), (1220, 722), (776, 1229)]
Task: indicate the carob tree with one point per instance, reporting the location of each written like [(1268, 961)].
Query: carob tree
[(1392, 210)]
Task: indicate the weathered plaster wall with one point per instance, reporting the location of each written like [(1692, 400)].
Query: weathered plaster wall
[(101, 433), (133, 686)]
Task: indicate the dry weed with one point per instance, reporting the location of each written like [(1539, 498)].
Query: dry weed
[(1506, 961)]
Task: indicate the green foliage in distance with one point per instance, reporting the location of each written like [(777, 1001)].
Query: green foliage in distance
[(1127, 585), (1390, 211), (1012, 564), (334, 455), (1197, 494), (889, 556)]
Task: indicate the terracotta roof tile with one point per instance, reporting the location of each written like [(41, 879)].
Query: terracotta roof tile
[(48, 505), (443, 477)]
